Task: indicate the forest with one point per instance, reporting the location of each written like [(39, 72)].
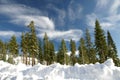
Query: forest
[(43, 50)]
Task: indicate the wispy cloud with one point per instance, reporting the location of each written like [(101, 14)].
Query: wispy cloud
[(24, 14), (107, 11), (74, 10), (9, 33), (67, 35)]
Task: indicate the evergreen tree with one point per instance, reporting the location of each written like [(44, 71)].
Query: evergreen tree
[(40, 55), (46, 48), (52, 53), (13, 47), (112, 51), (33, 42), (83, 56), (90, 49), (73, 50), (3, 50), (62, 57), (100, 42), (25, 46)]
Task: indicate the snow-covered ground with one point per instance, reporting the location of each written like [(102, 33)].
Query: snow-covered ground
[(105, 71)]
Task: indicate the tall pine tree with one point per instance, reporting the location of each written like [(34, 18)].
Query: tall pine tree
[(33, 42), (100, 42), (112, 51), (73, 50)]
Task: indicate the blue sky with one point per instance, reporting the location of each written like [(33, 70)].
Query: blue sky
[(66, 19)]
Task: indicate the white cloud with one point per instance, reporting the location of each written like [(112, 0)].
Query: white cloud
[(41, 22), (61, 14), (114, 7), (91, 19), (22, 14), (67, 35), (102, 3), (74, 10), (9, 33)]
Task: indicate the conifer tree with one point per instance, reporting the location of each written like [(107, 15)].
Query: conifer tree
[(13, 46), (73, 50), (52, 53), (25, 46), (112, 51), (33, 42), (62, 57), (90, 49), (83, 57), (40, 55), (46, 48), (100, 42), (3, 50)]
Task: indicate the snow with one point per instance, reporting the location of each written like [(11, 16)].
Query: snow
[(104, 71)]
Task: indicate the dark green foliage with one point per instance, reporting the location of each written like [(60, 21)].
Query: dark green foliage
[(100, 42), (13, 47), (112, 51), (40, 55), (3, 51), (49, 52), (90, 49), (25, 46), (73, 50), (46, 48), (33, 48), (83, 56), (52, 53), (61, 55)]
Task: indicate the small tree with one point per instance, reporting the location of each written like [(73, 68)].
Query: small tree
[(13, 47), (83, 57), (90, 48), (73, 50), (112, 51), (40, 55), (61, 55)]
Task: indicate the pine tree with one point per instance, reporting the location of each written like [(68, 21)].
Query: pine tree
[(72, 49), (3, 50), (90, 48), (62, 57), (46, 48), (25, 46), (40, 55), (83, 56), (100, 42), (112, 51), (33, 42), (13, 46), (52, 53)]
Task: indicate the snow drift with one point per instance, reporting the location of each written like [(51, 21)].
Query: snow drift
[(105, 71)]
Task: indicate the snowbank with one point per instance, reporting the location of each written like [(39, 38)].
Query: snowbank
[(105, 71)]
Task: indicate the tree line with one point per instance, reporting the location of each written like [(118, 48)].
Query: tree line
[(31, 46)]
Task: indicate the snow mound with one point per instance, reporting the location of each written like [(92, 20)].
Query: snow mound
[(105, 71)]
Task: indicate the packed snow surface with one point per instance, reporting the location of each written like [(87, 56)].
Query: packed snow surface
[(105, 71)]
